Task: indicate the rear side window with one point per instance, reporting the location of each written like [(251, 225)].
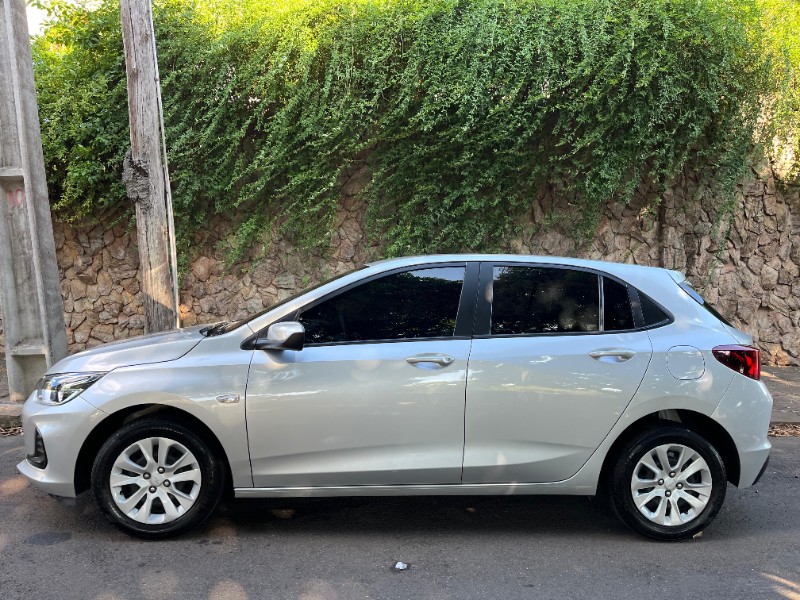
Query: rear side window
[(531, 300), (617, 313), (414, 304)]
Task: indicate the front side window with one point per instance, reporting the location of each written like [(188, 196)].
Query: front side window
[(530, 300), (413, 304)]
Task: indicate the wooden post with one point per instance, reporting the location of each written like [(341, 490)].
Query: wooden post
[(30, 291), (145, 171)]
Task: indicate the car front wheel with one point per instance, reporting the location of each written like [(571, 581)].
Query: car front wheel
[(156, 478), (667, 483)]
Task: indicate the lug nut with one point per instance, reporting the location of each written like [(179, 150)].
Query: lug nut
[(146, 475), (668, 493), (166, 483), (679, 486), (152, 489), (660, 482), (672, 474), (160, 469)]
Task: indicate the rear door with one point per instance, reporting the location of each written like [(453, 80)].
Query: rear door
[(555, 360)]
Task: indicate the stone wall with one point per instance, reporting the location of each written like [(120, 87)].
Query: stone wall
[(100, 284), (745, 260), (750, 275)]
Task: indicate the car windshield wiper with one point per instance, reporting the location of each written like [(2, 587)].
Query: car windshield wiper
[(214, 329)]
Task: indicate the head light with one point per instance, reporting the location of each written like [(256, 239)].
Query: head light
[(63, 387)]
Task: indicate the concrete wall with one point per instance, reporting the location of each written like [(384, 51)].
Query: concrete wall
[(750, 275)]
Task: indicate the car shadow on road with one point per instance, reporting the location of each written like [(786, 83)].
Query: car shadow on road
[(557, 516), (429, 514)]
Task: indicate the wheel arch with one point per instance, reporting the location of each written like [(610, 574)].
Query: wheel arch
[(701, 424), (104, 429)]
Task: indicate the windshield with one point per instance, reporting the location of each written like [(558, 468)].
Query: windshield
[(230, 326)]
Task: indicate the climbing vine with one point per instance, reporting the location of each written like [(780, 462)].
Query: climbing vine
[(462, 109)]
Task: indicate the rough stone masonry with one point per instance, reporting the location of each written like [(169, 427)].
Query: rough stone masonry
[(747, 266)]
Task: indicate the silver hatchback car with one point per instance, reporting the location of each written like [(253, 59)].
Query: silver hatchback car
[(457, 374)]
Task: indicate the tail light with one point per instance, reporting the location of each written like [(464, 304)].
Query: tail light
[(742, 359)]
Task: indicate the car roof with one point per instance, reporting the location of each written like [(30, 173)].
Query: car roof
[(614, 268), (656, 282)]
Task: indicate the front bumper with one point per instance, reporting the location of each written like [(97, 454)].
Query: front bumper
[(745, 413), (63, 429)]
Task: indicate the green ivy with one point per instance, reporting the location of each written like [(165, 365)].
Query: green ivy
[(462, 109)]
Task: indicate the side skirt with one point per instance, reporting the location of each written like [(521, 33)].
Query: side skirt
[(467, 489)]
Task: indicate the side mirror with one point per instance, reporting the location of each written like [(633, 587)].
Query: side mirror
[(289, 335)]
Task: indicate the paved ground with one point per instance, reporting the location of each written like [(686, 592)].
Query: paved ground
[(784, 385), (512, 547)]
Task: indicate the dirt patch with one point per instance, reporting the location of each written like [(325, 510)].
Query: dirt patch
[(784, 430), (6, 431)]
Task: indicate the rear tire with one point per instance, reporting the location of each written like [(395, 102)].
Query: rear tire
[(667, 483), (155, 478)]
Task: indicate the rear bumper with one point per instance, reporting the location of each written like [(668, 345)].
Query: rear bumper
[(745, 413), (753, 465), (761, 472)]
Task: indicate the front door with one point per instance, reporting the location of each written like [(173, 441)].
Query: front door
[(376, 397)]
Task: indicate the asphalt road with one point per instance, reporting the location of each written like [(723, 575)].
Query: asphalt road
[(510, 547)]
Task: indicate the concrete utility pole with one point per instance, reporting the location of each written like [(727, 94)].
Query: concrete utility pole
[(145, 171), (30, 291)]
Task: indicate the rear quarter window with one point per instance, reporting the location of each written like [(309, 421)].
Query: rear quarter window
[(652, 314)]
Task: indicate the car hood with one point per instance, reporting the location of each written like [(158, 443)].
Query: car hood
[(141, 350)]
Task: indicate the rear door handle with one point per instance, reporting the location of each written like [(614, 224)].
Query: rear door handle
[(442, 360), (622, 354)]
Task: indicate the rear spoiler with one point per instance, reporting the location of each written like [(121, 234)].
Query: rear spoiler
[(677, 276), (740, 336)]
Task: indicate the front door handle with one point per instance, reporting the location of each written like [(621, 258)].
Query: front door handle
[(442, 360), (621, 354)]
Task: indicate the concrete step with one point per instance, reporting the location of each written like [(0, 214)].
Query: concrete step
[(10, 414)]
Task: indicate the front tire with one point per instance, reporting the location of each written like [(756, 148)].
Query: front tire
[(155, 478), (667, 483)]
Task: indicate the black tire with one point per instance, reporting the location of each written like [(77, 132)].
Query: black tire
[(618, 483), (211, 486)]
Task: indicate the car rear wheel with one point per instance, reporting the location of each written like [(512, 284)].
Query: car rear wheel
[(667, 483), (156, 478)]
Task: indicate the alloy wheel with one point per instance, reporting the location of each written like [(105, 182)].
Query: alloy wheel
[(155, 480), (671, 484)]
